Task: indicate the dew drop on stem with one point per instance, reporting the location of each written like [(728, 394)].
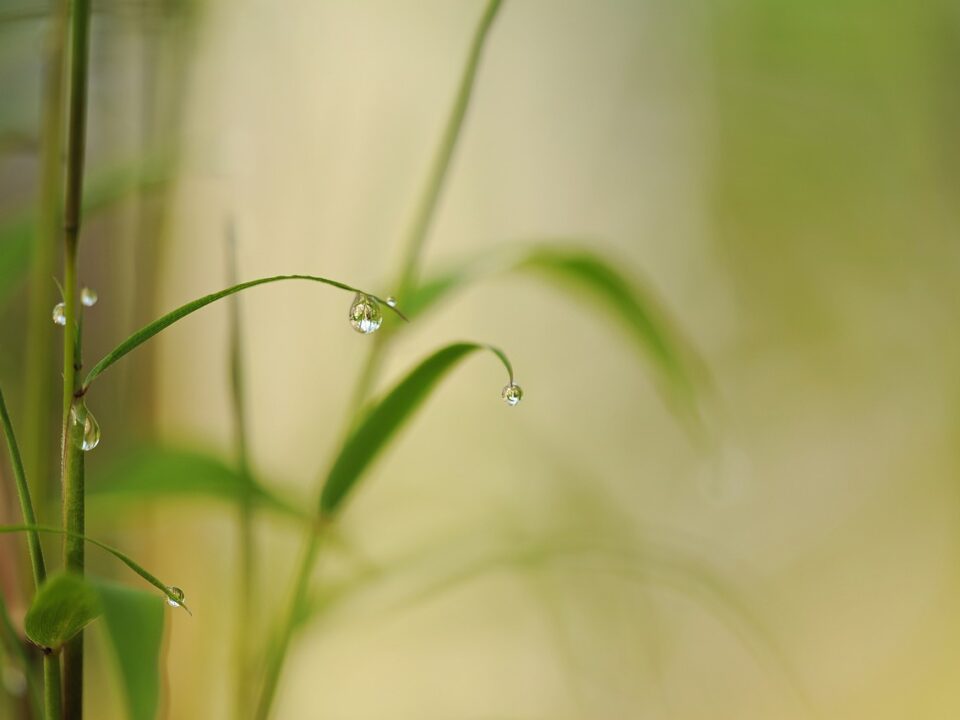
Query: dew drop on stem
[(175, 598), (392, 301), (60, 314), (88, 296), (365, 314), (89, 435)]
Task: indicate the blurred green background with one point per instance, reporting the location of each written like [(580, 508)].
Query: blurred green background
[(784, 178)]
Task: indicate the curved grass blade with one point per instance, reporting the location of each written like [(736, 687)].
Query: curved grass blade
[(147, 332), (125, 559), (381, 422), (63, 606), (134, 623), (624, 299), (23, 492), (163, 472)]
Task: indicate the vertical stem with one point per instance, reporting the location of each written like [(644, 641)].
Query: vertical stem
[(430, 196), (278, 652), (72, 467), (407, 277), (247, 570), (38, 411)]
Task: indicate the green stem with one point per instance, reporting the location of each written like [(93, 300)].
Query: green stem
[(278, 651), (246, 574), (430, 196), (37, 415), (414, 247), (72, 467), (52, 709)]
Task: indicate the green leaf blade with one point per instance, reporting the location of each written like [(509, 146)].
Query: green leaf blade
[(134, 622), (63, 606), (162, 323), (386, 417)]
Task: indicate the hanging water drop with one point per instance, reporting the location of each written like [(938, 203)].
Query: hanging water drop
[(88, 296), (512, 394), (60, 314), (89, 435), (392, 301), (365, 314), (177, 596)]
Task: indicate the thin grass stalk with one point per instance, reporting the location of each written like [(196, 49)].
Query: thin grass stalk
[(247, 571), (416, 237), (72, 471), (37, 415)]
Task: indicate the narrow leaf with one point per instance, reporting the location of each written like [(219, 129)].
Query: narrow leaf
[(134, 624), (622, 298), (386, 417), (64, 605), (154, 472), (147, 332), (125, 559)]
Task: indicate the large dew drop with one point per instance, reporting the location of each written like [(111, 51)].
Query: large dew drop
[(512, 394), (89, 437), (60, 314), (177, 593), (365, 314), (88, 296)]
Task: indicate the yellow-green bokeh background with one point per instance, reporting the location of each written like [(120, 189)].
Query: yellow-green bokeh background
[(783, 175)]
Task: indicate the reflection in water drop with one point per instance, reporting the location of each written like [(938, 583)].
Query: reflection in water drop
[(392, 301), (365, 314), (88, 297), (89, 437), (176, 593), (512, 394), (60, 314)]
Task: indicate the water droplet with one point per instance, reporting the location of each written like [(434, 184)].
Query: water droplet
[(512, 394), (60, 314), (88, 297), (176, 593), (392, 301), (89, 438), (365, 314)]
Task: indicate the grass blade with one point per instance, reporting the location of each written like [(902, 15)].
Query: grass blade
[(134, 624), (147, 332), (125, 559), (380, 423), (63, 606), (622, 298), (155, 472)]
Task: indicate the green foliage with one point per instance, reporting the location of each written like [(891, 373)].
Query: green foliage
[(64, 605), (381, 422), (134, 625), (621, 298), (155, 472), (148, 331)]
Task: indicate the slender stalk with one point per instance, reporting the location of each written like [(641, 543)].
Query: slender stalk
[(246, 574), (278, 652), (427, 205), (51, 666), (72, 471), (416, 237), (38, 416)]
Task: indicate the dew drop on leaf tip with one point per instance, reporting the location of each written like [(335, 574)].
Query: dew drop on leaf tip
[(365, 314), (512, 394)]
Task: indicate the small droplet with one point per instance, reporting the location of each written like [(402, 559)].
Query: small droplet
[(89, 437), (60, 314), (176, 593), (88, 297), (365, 314), (512, 394), (392, 301)]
